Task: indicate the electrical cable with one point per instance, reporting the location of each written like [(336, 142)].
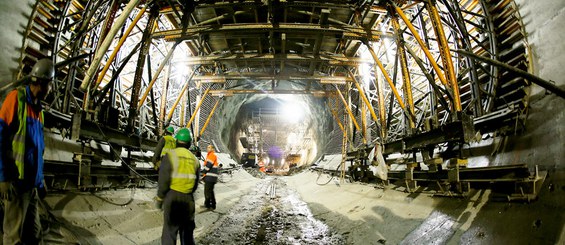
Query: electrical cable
[(117, 204)]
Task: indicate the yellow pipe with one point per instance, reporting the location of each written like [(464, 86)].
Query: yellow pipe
[(405, 74), (209, 117), (387, 77), (161, 66), (336, 117), (348, 109), (382, 110), (170, 115), (181, 93), (445, 54), (198, 107), (117, 48), (363, 96), (364, 123), (422, 45)]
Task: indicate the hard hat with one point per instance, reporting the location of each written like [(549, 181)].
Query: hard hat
[(43, 69), (184, 135), (170, 129)]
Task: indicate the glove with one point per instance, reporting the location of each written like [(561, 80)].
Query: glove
[(41, 192), (7, 191), (158, 203)]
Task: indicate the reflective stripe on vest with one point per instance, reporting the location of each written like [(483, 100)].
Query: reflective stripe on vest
[(212, 173), (19, 141), (183, 175), (170, 144)]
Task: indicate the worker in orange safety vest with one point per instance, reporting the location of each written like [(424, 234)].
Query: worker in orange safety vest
[(210, 178)]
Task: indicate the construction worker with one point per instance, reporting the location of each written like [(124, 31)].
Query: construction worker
[(177, 183), (21, 155), (261, 166), (210, 178), (165, 144)]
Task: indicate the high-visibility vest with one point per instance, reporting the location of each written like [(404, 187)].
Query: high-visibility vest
[(19, 141), (211, 173), (170, 144), (184, 168)]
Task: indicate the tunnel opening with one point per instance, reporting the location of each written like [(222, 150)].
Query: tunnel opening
[(279, 131)]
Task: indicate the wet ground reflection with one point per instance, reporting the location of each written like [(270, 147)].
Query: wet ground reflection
[(271, 214)]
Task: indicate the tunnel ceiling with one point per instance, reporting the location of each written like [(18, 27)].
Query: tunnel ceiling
[(379, 70)]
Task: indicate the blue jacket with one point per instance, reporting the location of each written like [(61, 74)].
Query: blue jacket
[(34, 146)]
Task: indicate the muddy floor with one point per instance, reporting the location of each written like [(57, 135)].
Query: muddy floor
[(270, 214), (297, 210)]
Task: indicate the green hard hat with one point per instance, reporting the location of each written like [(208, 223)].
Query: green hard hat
[(184, 135), (170, 129)]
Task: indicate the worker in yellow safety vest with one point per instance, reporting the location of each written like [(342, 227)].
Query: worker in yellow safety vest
[(177, 183), (165, 144)]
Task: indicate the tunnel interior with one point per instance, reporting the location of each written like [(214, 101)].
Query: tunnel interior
[(350, 98)]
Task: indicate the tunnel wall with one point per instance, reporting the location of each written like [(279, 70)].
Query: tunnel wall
[(14, 15), (544, 22), (542, 143)]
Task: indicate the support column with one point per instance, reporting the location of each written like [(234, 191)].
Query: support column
[(164, 92), (444, 52), (407, 88), (154, 13)]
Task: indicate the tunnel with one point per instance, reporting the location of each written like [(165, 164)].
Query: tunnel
[(333, 122)]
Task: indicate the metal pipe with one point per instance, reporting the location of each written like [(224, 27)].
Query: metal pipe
[(422, 45), (209, 117), (106, 43), (138, 77), (170, 115), (163, 105), (444, 53), (336, 117), (347, 108), (457, 16), (385, 74), (161, 66), (404, 68), (533, 78), (198, 107), (118, 47), (363, 96)]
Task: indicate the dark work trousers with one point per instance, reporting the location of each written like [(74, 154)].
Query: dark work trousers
[(210, 199), (178, 211), (21, 219)]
